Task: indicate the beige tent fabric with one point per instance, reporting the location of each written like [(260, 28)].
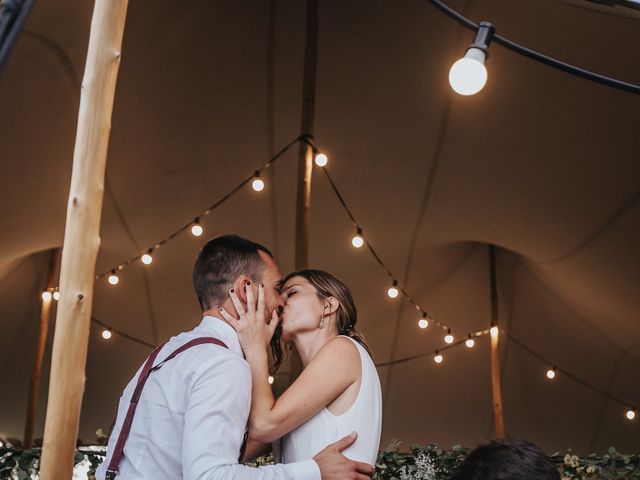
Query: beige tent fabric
[(542, 164)]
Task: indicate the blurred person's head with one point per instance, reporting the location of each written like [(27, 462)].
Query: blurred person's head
[(508, 459)]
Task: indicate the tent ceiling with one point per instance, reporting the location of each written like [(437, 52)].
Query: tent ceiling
[(541, 164)]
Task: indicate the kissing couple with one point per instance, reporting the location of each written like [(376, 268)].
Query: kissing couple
[(201, 405)]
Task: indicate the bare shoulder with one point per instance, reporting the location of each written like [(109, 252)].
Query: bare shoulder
[(339, 350)]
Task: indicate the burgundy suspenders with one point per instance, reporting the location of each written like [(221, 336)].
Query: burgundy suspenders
[(112, 470)]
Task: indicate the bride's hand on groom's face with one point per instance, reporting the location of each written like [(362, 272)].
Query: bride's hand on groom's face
[(251, 326)]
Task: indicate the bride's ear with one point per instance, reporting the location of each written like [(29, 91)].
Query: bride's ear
[(331, 305)]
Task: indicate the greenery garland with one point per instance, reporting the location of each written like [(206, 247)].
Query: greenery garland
[(426, 462)]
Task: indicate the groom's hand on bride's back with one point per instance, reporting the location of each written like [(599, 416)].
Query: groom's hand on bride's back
[(334, 465)]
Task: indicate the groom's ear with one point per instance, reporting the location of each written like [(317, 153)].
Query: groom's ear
[(240, 284)]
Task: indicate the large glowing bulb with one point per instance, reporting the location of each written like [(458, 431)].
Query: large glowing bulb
[(321, 160), (357, 241), (423, 323), (631, 414), (438, 358), (470, 342), (494, 331), (551, 373), (147, 259), (56, 296), (106, 334), (468, 75), (448, 338), (258, 185), (46, 295), (113, 279)]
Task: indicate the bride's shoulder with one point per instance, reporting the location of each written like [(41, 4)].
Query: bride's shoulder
[(340, 348)]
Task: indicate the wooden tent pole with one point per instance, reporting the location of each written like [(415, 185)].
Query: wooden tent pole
[(81, 239), (305, 152), (495, 353), (34, 386), (305, 155)]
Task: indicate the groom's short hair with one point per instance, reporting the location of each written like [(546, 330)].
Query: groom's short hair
[(507, 459), (220, 262)]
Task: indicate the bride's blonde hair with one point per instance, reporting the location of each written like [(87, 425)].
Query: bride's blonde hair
[(326, 286)]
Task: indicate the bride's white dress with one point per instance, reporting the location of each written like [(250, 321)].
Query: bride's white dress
[(364, 417)]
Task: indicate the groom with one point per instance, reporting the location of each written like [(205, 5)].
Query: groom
[(188, 419)]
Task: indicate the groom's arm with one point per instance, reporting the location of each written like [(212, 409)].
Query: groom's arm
[(215, 420)]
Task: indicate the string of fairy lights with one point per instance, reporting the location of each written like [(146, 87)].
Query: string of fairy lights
[(359, 240)]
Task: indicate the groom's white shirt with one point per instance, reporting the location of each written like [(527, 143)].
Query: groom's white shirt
[(192, 415)]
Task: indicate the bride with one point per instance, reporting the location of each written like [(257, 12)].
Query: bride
[(338, 391)]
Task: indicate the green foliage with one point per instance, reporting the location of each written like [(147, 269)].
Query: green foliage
[(424, 462)]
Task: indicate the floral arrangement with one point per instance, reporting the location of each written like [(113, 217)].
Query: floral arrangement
[(422, 462)]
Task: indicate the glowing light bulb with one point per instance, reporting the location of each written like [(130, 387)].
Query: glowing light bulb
[(197, 230), (393, 291), (438, 358), (270, 380), (448, 338), (147, 259), (423, 323), (257, 184), (468, 75), (631, 414), (470, 342), (113, 278), (551, 373), (106, 334), (321, 160), (494, 331), (357, 241), (46, 295), (56, 296)]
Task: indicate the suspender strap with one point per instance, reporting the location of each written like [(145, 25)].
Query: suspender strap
[(148, 368)]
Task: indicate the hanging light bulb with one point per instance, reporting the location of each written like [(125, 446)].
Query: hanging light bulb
[(469, 75), (257, 184), (470, 342), (56, 295), (494, 331), (270, 380), (46, 295), (438, 357), (196, 228), (551, 373), (113, 278), (106, 333), (448, 338), (631, 413), (147, 258), (423, 322), (357, 241), (321, 160), (393, 290)]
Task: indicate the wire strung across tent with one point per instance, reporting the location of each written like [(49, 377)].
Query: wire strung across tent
[(537, 56), (196, 219)]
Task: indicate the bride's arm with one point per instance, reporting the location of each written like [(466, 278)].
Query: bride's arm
[(335, 367)]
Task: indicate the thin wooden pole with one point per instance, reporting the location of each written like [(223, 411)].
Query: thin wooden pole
[(305, 153), (81, 239), (495, 353), (34, 386)]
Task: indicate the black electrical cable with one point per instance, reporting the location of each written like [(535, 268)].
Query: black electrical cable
[(537, 56)]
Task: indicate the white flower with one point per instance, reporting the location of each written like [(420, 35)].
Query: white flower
[(422, 470)]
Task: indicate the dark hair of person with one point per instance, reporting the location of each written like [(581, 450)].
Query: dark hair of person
[(508, 459), (326, 286), (220, 262)]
